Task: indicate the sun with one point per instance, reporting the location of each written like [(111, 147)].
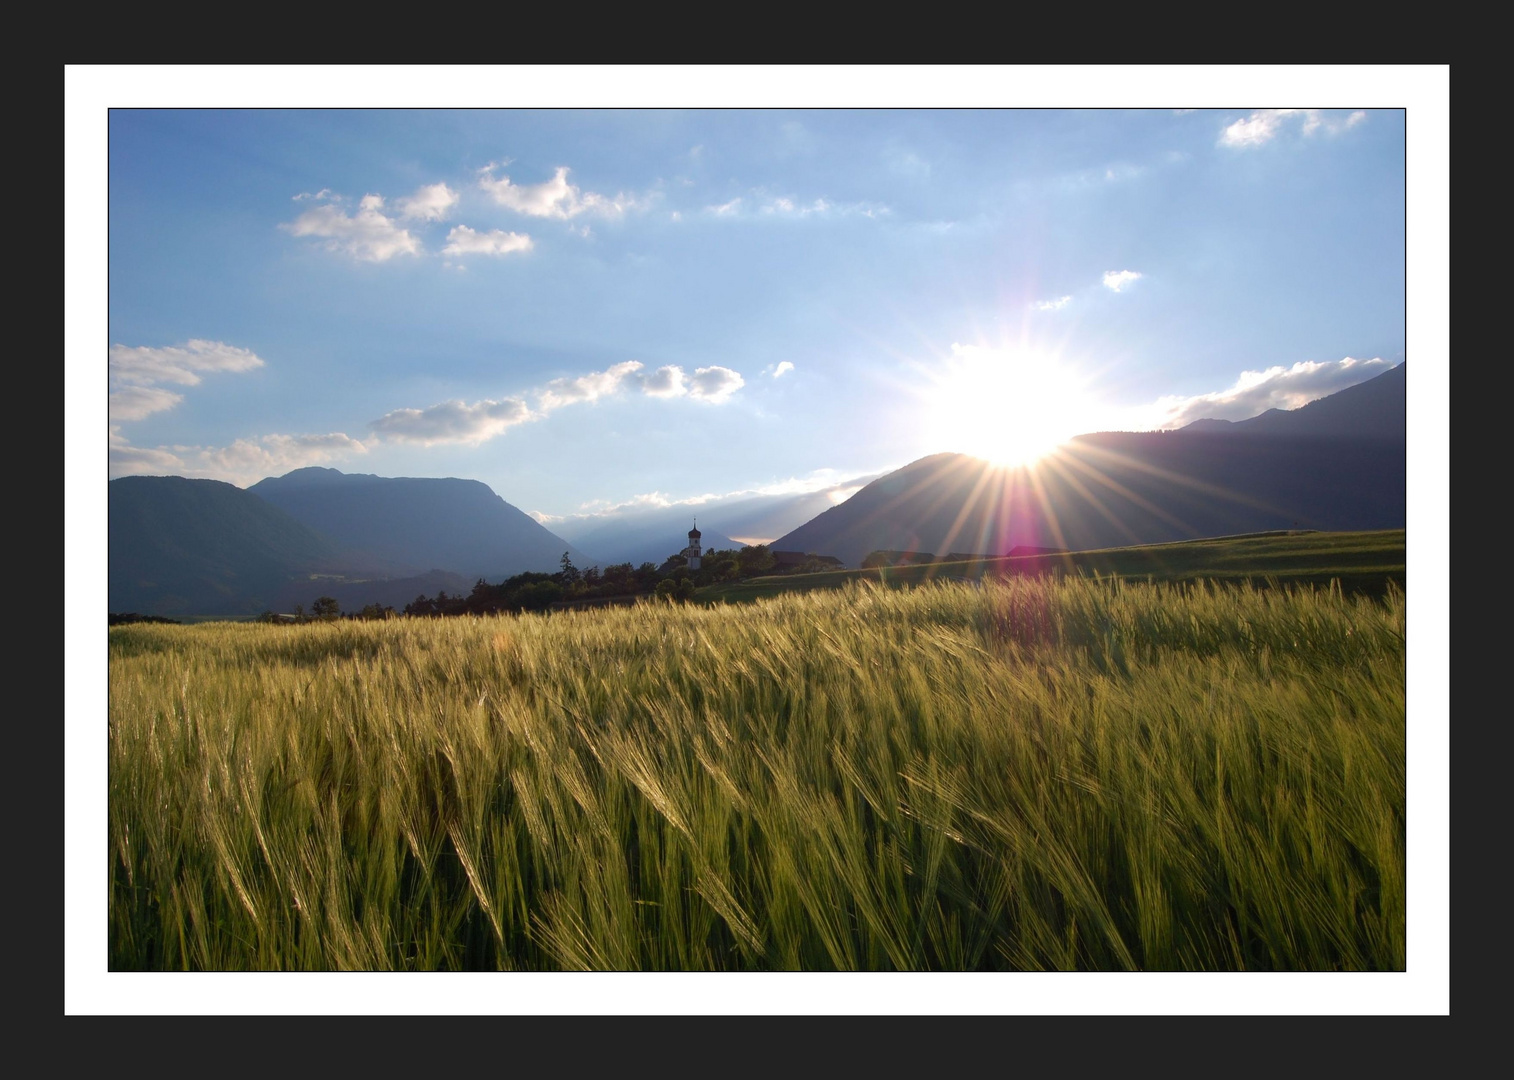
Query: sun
[(1009, 406)]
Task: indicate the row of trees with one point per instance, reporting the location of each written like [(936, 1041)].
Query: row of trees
[(538, 591), (535, 591)]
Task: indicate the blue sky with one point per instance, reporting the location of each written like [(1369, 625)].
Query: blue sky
[(588, 308)]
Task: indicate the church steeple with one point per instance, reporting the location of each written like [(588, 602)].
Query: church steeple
[(692, 551)]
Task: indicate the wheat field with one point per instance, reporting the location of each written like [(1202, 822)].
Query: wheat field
[(1023, 775)]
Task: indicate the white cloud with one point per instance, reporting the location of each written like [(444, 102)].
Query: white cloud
[(554, 198), (715, 384), (1264, 124), (782, 369), (460, 422), (1275, 388), (1060, 302), (1119, 279), (667, 381), (590, 387), (182, 364), (244, 462), (725, 209), (452, 422), (464, 241), (367, 235), (324, 193), (137, 402), (429, 203)]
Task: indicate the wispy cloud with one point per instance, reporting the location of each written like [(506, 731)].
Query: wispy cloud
[(1275, 388), (244, 462), (182, 364), (452, 422), (429, 203), (368, 235), (457, 421), (590, 387), (138, 402), (464, 241), (1119, 280), (135, 373), (1263, 125), (1054, 305), (783, 368), (725, 209), (554, 198)]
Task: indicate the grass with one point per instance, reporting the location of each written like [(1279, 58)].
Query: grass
[(1360, 562), (1029, 774)]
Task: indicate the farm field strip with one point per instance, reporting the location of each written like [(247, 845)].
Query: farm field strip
[(1026, 773)]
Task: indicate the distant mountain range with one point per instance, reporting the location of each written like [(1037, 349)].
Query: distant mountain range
[(190, 547), (1336, 463), (640, 535), (182, 547), (423, 523)]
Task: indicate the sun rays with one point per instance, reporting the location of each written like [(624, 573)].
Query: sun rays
[(1008, 406)]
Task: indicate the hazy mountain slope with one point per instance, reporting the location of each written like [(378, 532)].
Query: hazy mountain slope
[(429, 523), (201, 547), (644, 538), (644, 535), (1117, 488)]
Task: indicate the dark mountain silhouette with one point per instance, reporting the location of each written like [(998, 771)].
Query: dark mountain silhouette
[(1328, 465), (460, 526), (201, 547), (1374, 409)]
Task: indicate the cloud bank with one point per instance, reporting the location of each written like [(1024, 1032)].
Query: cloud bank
[(460, 422), (1275, 388), (452, 422)]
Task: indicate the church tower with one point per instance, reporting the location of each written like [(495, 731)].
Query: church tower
[(692, 551)]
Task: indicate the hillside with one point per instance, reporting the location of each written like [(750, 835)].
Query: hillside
[(181, 547), (460, 526), (1336, 464), (1374, 409)]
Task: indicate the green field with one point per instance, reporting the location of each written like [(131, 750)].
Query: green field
[(1360, 562), (1027, 773)]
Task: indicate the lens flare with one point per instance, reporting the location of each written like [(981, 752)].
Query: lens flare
[(1008, 406)]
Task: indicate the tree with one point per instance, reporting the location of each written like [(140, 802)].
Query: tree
[(570, 572), (325, 607)]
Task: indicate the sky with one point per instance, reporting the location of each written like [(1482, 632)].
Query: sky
[(592, 308), (884, 283)]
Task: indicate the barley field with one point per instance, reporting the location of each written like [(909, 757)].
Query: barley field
[(1022, 774)]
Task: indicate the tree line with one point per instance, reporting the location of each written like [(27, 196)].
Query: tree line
[(538, 591)]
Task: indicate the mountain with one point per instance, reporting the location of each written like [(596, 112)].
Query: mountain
[(1328, 465), (638, 535), (1374, 409), (460, 526), (201, 547), (640, 538)]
